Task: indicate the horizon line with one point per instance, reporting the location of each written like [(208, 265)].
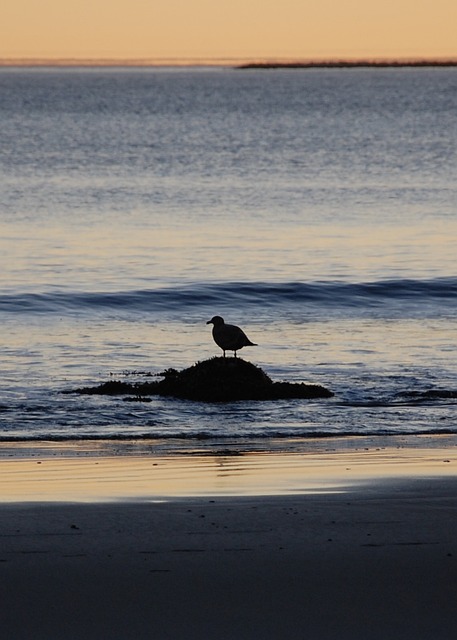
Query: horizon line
[(242, 61)]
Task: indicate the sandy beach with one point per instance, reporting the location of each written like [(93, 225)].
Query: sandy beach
[(344, 544)]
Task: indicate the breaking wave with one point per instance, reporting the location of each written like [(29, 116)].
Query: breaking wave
[(328, 294)]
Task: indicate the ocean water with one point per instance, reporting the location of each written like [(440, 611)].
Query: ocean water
[(315, 208)]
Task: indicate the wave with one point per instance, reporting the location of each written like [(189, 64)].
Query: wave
[(329, 294), (287, 437)]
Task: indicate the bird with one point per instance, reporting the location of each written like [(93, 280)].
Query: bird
[(229, 337)]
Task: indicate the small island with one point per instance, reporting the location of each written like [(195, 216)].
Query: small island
[(215, 380)]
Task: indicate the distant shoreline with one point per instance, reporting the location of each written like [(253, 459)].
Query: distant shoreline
[(229, 63), (348, 64)]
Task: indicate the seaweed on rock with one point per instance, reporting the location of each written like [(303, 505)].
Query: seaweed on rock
[(215, 380)]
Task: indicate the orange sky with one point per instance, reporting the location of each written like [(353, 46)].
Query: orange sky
[(228, 28)]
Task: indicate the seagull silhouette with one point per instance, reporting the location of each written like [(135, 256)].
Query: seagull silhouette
[(229, 337)]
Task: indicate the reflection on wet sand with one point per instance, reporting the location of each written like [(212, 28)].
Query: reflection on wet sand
[(107, 478)]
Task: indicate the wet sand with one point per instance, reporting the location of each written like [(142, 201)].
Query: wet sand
[(349, 549)]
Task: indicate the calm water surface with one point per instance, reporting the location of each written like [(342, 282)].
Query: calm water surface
[(316, 208)]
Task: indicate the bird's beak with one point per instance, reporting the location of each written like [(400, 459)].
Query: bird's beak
[(209, 322)]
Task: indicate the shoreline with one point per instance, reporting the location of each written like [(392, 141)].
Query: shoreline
[(147, 446)]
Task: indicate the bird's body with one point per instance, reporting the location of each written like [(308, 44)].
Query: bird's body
[(229, 337)]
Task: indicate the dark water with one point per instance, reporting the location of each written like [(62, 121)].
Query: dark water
[(316, 208)]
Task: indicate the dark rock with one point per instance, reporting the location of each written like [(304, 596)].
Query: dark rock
[(214, 380)]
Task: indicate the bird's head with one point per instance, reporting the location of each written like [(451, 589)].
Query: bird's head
[(216, 321)]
